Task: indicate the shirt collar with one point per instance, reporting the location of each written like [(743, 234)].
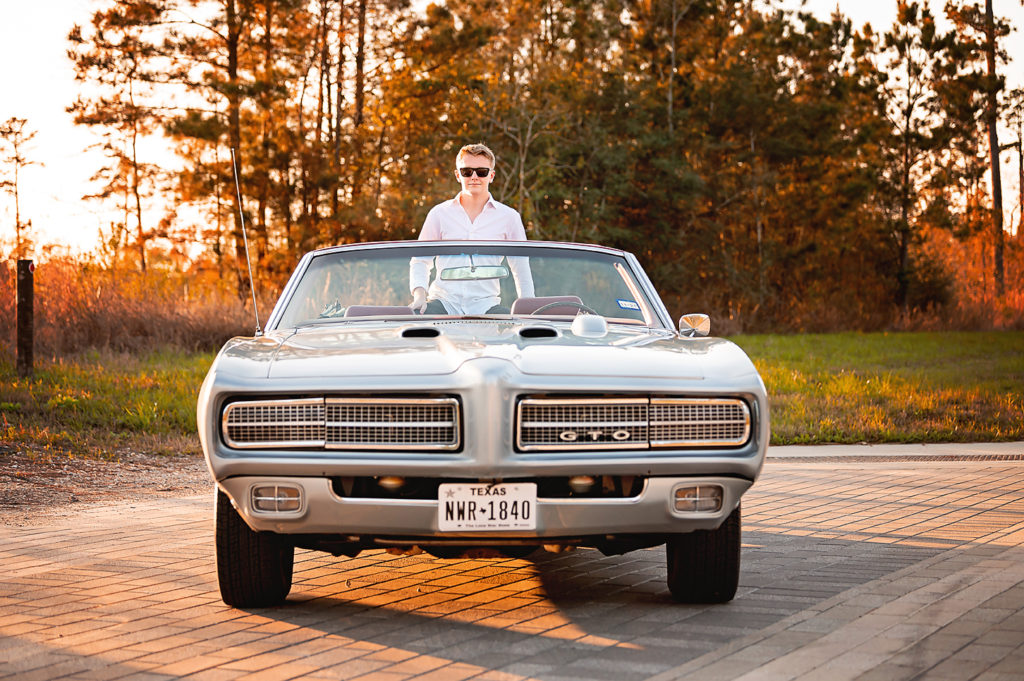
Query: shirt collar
[(491, 203)]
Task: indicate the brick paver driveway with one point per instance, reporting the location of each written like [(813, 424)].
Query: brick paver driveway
[(874, 570)]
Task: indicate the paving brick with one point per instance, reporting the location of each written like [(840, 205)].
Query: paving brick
[(849, 569)]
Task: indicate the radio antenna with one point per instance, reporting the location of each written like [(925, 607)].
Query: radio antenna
[(245, 240)]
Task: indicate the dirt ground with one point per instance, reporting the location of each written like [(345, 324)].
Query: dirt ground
[(33, 486)]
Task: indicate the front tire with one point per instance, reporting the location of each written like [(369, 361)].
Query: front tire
[(704, 566), (254, 569)]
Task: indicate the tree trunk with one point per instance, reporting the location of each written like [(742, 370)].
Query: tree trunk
[(672, 66), (357, 116), (992, 121), (359, 99), (262, 232), (339, 80), (1020, 186), (140, 233), (235, 137), (18, 254)]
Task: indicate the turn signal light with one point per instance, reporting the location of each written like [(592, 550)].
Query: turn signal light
[(276, 498), (698, 499)]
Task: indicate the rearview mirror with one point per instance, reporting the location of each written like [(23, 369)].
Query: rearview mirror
[(474, 273)]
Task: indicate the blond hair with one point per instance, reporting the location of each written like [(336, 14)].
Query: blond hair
[(477, 149)]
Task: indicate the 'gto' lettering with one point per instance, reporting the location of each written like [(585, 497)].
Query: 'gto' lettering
[(595, 435)]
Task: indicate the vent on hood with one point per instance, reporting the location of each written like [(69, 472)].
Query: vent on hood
[(538, 332), (421, 332)]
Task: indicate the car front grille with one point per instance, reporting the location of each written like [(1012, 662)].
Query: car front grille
[(558, 424), (278, 423), (396, 424), (392, 423), (680, 422), (582, 424)]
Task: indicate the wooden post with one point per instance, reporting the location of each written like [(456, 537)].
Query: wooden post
[(25, 314)]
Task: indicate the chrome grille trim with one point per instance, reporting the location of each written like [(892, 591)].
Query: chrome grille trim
[(381, 424), (598, 423), (566, 424), (699, 422), (274, 423), (393, 423)]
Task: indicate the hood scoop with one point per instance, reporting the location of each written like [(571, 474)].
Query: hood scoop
[(538, 332), (421, 332)]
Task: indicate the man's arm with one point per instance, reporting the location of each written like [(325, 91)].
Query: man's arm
[(419, 268), (520, 265)]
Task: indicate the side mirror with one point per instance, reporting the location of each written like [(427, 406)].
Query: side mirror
[(694, 325)]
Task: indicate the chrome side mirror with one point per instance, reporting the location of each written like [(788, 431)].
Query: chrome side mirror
[(694, 325)]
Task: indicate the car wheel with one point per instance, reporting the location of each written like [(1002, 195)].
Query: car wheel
[(704, 566), (254, 569)]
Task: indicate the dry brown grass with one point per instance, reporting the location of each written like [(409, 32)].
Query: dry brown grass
[(80, 306)]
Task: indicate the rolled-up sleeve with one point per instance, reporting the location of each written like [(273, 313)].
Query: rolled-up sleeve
[(419, 273)]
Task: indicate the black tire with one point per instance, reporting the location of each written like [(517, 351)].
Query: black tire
[(254, 569), (704, 566)]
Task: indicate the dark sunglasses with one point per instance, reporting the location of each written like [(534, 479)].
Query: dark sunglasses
[(480, 172)]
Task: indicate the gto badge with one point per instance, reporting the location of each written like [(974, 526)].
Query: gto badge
[(594, 435)]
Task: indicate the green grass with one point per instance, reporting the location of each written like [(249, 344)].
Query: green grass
[(892, 387), (899, 387), (102, 404)]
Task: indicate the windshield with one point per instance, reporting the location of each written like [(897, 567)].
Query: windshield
[(483, 280)]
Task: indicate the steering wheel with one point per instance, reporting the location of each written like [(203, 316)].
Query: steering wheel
[(557, 303)]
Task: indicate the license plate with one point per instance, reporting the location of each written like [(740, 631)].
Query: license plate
[(465, 507)]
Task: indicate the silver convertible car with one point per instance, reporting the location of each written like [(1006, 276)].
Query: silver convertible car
[(542, 398)]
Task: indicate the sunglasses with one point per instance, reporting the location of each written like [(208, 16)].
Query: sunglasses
[(480, 172)]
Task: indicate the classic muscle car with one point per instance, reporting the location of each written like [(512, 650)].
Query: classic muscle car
[(543, 399)]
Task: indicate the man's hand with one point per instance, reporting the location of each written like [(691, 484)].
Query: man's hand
[(419, 300)]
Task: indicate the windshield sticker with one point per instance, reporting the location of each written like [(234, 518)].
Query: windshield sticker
[(627, 304)]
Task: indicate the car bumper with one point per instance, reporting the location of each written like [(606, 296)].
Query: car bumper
[(322, 511)]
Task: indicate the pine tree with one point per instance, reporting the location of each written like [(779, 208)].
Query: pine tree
[(17, 137)]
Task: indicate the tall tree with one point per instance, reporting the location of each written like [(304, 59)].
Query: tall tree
[(913, 49), (17, 137), (116, 57), (1015, 119), (980, 32)]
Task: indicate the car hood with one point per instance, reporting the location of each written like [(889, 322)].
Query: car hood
[(363, 349)]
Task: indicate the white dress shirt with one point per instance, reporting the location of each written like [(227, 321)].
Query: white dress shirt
[(449, 221)]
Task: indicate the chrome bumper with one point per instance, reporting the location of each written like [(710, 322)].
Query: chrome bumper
[(321, 511)]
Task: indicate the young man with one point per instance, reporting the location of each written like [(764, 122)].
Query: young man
[(473, 215)]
